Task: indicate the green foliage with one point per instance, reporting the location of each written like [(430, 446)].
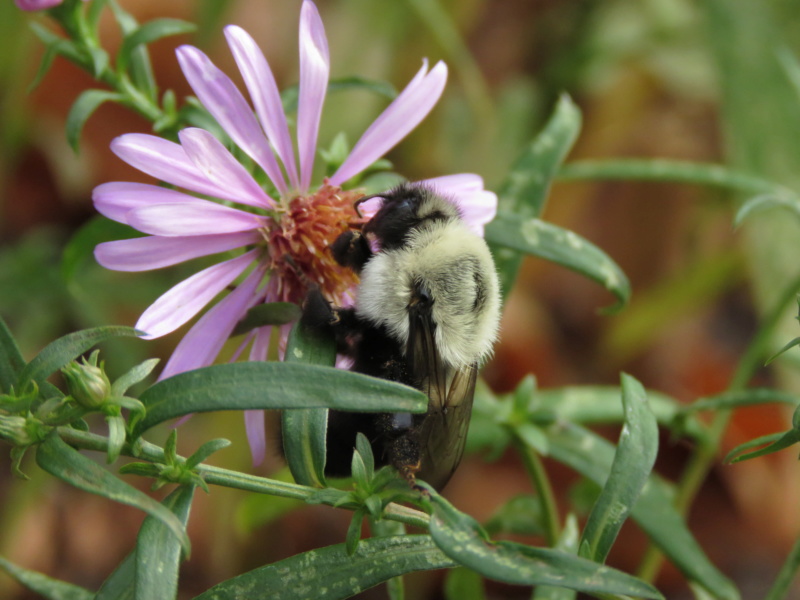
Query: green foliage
[(34, 413), (462, 539), (331, 572), (46, 587), (69, 465), (247, 386), (303, 430), (527, 184), (633, 461)]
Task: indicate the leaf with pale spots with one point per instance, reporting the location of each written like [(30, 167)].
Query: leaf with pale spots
[(633, 462), (563, 247), (331, 573), (462, 539), (527, 185), (592, 456)]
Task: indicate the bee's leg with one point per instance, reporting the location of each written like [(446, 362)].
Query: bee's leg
[(351, 249), (406, 457), (324, 318)]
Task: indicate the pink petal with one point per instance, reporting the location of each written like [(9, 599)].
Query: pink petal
[(460, 182), (198, 218), (254, 419), (396, 122), (185, 300), (368, 208), (165, 161), (265, 95), (225, 102), (478, 206), (31, 5), (314, 71), (200, 346), (153, 252), (256, 435), (116, 199), (220, 167)]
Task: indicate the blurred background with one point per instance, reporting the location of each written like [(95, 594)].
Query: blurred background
[(698, 80)]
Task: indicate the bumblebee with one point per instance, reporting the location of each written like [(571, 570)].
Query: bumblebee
[(426, 314)]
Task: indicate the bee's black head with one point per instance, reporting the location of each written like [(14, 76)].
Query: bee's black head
[(406, 208)]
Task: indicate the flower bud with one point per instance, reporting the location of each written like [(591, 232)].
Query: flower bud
[(14, 430), (87, 383)]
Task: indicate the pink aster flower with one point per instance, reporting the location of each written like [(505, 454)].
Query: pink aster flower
[(281, 240)]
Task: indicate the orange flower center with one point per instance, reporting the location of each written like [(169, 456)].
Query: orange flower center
[(299, 244)]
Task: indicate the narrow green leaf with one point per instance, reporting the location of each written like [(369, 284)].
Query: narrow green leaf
[(592, 456), (359, 471), (676, 171), (158, 551), (272, 313), (93, 12), (781, 587), (464, 584), (116, 437), (749, 397), (525, 188), (774, 441), (120, 585), (304, 430), (600, 404), (789, 345), (83, 108), (46, 587), (561, 246), (766, 202), (206, 450), (260, 385), (353, 536), (62, 461), (62, 46), (141, 71), (59, 352), (148, 33), (330, 573), (568, 542), (100, 60), (156, 540), (462, 539), (633, 462), (133, 376), (520, 515), (11, 361)]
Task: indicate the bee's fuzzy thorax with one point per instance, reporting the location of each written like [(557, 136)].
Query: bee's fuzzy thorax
[(456, 267)]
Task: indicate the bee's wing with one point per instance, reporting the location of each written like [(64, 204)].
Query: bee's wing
[(443, 433)]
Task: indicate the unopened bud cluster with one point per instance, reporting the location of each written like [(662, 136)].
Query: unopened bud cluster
[(87, 383)]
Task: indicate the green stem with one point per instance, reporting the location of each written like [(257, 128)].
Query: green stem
[(234, 479), (700, 462), (538, 475), (780, 588)]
